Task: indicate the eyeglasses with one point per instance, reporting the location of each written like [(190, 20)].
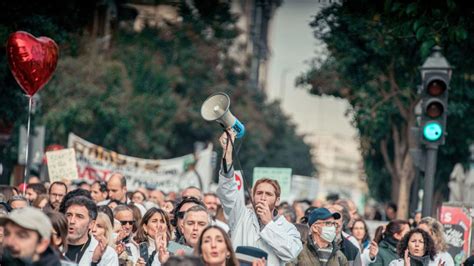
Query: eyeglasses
[(127, 222), (328, 223)]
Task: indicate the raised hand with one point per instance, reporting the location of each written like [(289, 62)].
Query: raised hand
[(373, 249), (100, 249)]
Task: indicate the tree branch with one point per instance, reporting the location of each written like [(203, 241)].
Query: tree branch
[(394, 87), (386, 158)]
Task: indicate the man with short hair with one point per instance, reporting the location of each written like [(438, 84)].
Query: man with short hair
[(258, 228), (99, 192), (83, 249), (320, 248), (33, 190), (345, 241), (117, 188), (179, 213), (57, 191), (195, 220), (27, 233), (157, 197), (192, 191), (125, 248), (17, 202), (212, 202)]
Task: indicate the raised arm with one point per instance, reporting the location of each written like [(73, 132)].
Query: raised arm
[(232, 200)]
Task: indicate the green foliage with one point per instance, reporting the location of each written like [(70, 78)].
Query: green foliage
[(143, 96), (375, 50)]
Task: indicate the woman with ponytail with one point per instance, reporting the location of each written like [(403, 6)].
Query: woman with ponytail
[(388, 240)]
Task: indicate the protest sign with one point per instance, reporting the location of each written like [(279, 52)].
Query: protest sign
[(98, 163), (62, 165), (457, 221)]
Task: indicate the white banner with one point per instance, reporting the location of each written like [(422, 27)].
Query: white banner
[(97, 163)]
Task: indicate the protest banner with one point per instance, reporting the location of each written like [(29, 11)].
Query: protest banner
[(457, 225), (62, 165), (282, 175), (98, 163)]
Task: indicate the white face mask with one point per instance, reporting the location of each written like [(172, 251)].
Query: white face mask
[(328, 233)]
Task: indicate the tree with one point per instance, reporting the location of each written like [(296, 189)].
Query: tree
[(375, 50), (142, 97)]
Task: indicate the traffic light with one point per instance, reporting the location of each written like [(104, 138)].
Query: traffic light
[(434, 102)]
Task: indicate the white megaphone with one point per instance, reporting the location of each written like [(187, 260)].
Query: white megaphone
[(216, 108)]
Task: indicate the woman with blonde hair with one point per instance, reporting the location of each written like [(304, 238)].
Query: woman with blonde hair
[(435, 229), (103, 227)]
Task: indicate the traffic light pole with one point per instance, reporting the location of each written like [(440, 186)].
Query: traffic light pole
[(430, 170)]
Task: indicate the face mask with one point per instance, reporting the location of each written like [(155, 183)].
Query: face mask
[(328, 233)]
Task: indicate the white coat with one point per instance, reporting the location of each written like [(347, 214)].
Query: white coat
[(109, 258), (279, 238)]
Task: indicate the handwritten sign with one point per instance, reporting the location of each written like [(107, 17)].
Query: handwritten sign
[(62, 165)]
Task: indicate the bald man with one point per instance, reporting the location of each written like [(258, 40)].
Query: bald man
[(117, 188)]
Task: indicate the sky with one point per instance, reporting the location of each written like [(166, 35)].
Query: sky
[(292, 46)]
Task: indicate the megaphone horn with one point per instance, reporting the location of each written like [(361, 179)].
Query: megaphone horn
[(216, 108)]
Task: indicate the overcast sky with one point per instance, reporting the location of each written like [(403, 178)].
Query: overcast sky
[(292, 45)]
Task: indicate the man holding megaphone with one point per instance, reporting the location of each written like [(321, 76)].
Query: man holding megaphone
[(258, 226)]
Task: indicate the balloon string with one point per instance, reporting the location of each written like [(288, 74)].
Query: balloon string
[(27, 143)]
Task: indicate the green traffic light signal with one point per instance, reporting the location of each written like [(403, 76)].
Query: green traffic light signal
[(432, 131)]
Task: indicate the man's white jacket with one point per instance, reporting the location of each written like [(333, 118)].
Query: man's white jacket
[(279, 238), (109, 258)]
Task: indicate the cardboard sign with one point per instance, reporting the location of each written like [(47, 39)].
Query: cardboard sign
[(62, 165), (282, 175), (457, 229)]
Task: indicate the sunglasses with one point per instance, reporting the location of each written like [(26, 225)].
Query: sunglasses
[(127, 222)]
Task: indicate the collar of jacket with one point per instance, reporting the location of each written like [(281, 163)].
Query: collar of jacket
[(314, 248)]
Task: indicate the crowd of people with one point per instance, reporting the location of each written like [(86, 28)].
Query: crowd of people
[(104, 223)]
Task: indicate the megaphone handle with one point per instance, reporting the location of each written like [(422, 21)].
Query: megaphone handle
[(224, 161)]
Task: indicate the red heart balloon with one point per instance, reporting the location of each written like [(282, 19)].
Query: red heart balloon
[(32, 60)]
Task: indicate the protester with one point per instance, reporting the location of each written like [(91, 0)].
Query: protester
[(391, 211), (416, 248), (103, 228), (154, 231), (215, 247), (195, 220), (83, 249), (300, 208), (178, 215), (59, 231), (42, 202), (8, 192), (320, 248), (126, 249), (99, 193), (57, 191), (117, 188), (346, 243), (157, 197), (369, 248), (138, 197), (192, 192), (33, 190), (361, 233), (17, 202), (435, 229), (388, 240), (259, 227), (27, 238), (212, 203)]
